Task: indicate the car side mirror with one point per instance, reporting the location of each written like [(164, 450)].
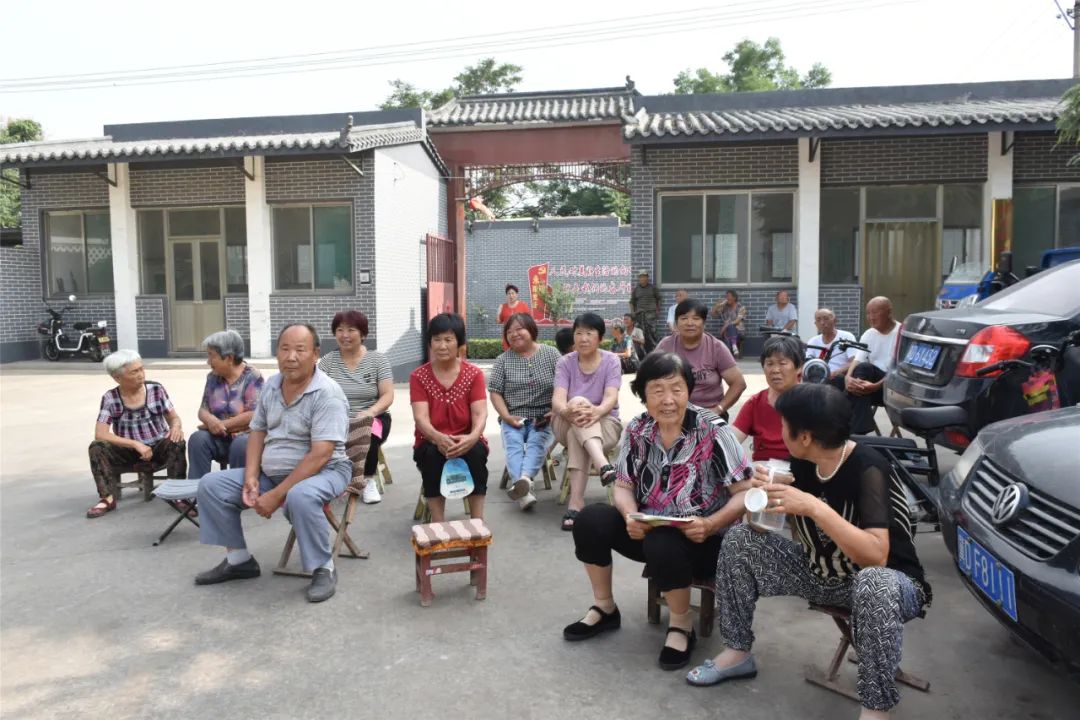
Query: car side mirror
[(71, 298)]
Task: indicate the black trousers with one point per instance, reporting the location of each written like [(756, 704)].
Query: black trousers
[(670, 557), (862, 406), (371, 462), (430, 463)]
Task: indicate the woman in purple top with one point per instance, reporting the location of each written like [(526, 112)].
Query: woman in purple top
[(585, 409), (228, 402), (711, 360), (136, 423)]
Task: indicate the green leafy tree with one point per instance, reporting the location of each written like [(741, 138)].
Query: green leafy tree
[(567, 198), (1068, 123), (752, 67), (484, 78), (14, 132)]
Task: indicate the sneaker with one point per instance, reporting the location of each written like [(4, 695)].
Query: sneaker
[(520, 488), (526, 503), (371, 492)]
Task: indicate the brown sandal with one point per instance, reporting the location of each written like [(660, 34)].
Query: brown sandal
[(101, 507)]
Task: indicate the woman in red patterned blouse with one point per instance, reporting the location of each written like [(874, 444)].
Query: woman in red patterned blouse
[(449, 404)]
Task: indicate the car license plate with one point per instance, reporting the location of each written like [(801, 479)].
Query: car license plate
[(996, 581), (922, 355), (103, 339)]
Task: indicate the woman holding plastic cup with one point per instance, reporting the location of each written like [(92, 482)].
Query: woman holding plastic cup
[(854, 548), (781, 359), (677, 471)]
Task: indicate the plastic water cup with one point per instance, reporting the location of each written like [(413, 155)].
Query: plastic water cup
[(780, 471), (756, 500)]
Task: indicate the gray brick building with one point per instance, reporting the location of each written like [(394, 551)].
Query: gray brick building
[(170, 231), (841, 194)]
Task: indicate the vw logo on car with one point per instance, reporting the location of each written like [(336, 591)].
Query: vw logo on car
[(1012, 499)]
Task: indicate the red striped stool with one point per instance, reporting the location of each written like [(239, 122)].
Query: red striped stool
[(447, 541)]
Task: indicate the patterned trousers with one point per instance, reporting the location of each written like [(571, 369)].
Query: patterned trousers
[(107, 461), (754, 564)]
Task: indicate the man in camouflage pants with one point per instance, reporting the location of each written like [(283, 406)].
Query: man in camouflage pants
[(645, 306)]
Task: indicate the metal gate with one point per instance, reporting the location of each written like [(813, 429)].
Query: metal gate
[(441, 275)]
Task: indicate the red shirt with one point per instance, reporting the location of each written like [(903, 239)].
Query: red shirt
[(505, 311), (448, 408), (759, 420)]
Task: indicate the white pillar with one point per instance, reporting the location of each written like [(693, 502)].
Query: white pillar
[(998, 186), (259, 268), (125, 256), (807, 235)]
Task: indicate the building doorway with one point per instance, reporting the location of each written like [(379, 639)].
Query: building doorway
[(902, 261), (195, 276)]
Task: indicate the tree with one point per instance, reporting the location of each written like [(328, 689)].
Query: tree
[(15, 131), (752, 67), (484, 78), (1068, 123), (568, 198), (558, 300)]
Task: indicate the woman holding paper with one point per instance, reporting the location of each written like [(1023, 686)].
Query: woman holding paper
[(365, 377), (449, 405), (677, 470), (853, 548)]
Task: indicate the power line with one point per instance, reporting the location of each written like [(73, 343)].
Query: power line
[(517, 41)]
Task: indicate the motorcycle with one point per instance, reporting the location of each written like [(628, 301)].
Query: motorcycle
[(93, 339), (816, 370)]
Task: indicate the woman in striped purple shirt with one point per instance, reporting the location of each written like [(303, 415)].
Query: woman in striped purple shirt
[(136, 423)]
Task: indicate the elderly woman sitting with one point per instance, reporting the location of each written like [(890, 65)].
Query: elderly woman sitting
[(228, 402), (781, 359), (677, 461), (136, 423), (585, 409), (853, 548)]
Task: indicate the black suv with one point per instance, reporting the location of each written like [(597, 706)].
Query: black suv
[(941, 352), (1010, 517)]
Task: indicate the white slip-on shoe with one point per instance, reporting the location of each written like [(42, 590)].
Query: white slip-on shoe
[(520, 488), (527, 502)]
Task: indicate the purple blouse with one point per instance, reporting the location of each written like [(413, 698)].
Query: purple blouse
[(225, 401)]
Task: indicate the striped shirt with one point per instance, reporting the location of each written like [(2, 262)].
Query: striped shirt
[(361, 385), (525, 383), (690, 478), (146, 424)]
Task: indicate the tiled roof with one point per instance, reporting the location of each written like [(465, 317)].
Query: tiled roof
[(565, 106), (1013, 105), (347, 140)]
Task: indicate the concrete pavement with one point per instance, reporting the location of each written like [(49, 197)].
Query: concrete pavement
[(98, 623)]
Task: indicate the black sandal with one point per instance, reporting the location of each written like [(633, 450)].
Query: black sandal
[(582, 631), (672, 659), (568, 519)]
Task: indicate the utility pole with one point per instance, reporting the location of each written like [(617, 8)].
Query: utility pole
[(1076, 38)]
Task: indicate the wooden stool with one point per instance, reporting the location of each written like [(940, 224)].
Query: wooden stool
[(422, 513), (352, 497), (382, 472), (564, 490), (447, 541), (828, 678), (146, 475), (547, 472), (706, 608)]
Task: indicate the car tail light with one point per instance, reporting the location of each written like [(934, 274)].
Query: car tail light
[(957, 438), (991, 345)]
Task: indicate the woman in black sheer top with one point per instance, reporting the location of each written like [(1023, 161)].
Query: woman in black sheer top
[(853, 547)]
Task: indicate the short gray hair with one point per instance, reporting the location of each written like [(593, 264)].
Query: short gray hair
[(116, 362), (226, 343)]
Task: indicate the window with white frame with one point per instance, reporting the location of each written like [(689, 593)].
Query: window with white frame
[(79, 252), (727, 238), (313, 248)]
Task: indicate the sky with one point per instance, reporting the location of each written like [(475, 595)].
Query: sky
[(862, 42)]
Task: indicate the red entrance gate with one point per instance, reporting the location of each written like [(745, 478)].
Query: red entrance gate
[(441, 275)]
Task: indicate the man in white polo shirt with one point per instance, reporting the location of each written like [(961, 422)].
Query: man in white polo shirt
[(865, 378), (827, 337)]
